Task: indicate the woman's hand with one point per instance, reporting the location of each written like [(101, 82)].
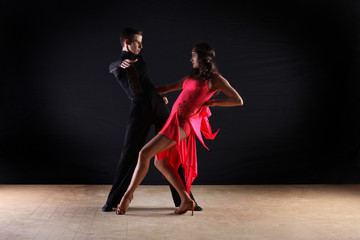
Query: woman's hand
[(209, 103)]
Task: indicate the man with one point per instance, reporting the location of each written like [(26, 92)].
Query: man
[(147, 108)]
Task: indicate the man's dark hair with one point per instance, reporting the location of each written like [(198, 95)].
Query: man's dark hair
[(129, 33)]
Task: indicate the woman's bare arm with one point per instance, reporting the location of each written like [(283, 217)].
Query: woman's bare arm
[(233, 98), (162, 89)]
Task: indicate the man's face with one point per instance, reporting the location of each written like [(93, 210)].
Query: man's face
[(136, 45), (194, 59)]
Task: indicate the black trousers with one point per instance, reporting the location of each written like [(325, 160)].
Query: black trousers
[(143, 113)]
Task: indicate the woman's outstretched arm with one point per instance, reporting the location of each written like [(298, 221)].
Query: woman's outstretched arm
[(162, 89), (218, 82)]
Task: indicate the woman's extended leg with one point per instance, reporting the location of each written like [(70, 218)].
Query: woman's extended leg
[(156, 145)]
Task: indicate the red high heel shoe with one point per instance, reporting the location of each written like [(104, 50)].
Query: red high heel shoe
[(187, 206), (123, 205)]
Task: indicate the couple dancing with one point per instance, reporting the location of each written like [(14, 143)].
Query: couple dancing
[(174, 145)]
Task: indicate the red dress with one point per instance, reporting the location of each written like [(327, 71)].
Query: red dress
[(189, 114)]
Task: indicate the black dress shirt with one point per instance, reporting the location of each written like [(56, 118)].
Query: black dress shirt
[(134, 79)]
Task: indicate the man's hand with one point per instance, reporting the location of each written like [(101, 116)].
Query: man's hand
[(126, 63), (166, 100)]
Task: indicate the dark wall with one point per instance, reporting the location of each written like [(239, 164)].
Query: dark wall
[(295, 63)]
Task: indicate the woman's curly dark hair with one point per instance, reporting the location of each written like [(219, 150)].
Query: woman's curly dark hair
[(207, 67)]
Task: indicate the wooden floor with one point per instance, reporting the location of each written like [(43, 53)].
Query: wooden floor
[(258, 212)]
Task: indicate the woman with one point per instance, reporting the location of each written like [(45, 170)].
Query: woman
[(188, 118)]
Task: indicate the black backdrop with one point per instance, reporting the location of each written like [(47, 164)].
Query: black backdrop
[(295, 63)]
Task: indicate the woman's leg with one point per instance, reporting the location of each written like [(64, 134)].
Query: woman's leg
[(172, 175), (156, 145)]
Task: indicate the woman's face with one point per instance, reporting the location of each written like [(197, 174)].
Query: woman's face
[(194, 59)]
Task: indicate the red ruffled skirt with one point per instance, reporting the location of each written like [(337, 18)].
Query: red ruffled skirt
[(184, 152)]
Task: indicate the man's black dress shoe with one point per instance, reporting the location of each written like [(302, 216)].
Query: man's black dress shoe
[(107, 208), (198, 208)]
